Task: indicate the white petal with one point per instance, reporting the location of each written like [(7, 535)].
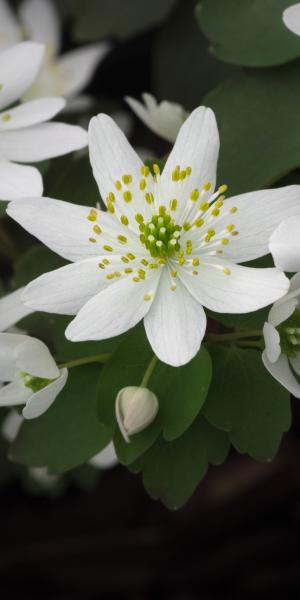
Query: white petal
[(258, 214), (106, 459), (9, 343), (284, 245), (39, 402), (77, 67), (30, 113), (40, 142), (291, 18), (19, 66), (11, 425), (281, 371), (32, 356), (272, 342), (175, 324), (10, 31), (115, 310), (66, 290), (66, 229), (17, 181), (13, 394), (165, 119), (196, 146), (295, 283), (12, 309), (244, 290), (41, 23), (282, 310), (295, 362)]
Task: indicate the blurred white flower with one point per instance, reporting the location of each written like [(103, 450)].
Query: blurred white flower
[(136, 407), (105, 459), (291, 18), (30, 373), (25, 136), (285, 245), (282, 339), (65, 75), (164, 118)]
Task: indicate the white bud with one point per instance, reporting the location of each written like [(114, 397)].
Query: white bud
[(136, 408)]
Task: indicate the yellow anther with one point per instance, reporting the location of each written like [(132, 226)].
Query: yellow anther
[(186, 226), (204, 206), (156, 169), (215, 212), (181, 260), (92, 216), (194, 272), (223, 188), (189, 247), (230, 227), (225, 241), (226, 271), (211, 232), (111, 197), (162, 261), (107, 248), (149, 198), (127, 196), (6, 117), (118, 185), (110, 207), (233, 209), (126, 179), (173, 204), (124, 220), (92, 240), (106, 261), (219, 203), (162, 210), (136, 279), (173, 287), (144, 262), (97, 229), (147, 297), (207, 186), (188, 170), (131, 256), (101, 266), (110, 276), (143, 184), (199, 222), (145, 171), (125, 259), (139, 218), (174, 273), (141, 273), (195, 262), (117, 274), (221, 199), (153, 266), (194, 195), (128, 270), (176, 174), (235, 233), (182, 174)]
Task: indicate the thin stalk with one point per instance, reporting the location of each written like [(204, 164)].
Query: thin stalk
[(235, 335), (85, 360), (149, 371)]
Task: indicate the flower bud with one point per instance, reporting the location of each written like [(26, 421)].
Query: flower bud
[(136, 408)]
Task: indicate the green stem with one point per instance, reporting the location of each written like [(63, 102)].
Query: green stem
[(149, 371), (235, 335), (96, 358), (248, 344)]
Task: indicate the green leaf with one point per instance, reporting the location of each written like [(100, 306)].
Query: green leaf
[(69, 433), (258, 118), (248, 32), (35, 262), (101, 19), (181, 392), (254, 320), (247, 402), (172, 470), (70, 178), (139, 443), (183, 69)]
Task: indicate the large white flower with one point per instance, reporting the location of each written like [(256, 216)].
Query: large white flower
[(164, 118), (282, 338), (31, 374), (25, 136), (291, 18), (167, 245), (285, 245), (65, 75)]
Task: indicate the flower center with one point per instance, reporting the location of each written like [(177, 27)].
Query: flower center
[(160, 235), (35, 383), (289, 332)]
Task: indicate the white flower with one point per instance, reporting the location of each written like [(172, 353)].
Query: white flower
[(33, 376), (65, 75), (165, 119), (25, 136), (285, 245), (167, 245), (105, 459), (12, 309), (291, 18), (282, 338), (136, 408)]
